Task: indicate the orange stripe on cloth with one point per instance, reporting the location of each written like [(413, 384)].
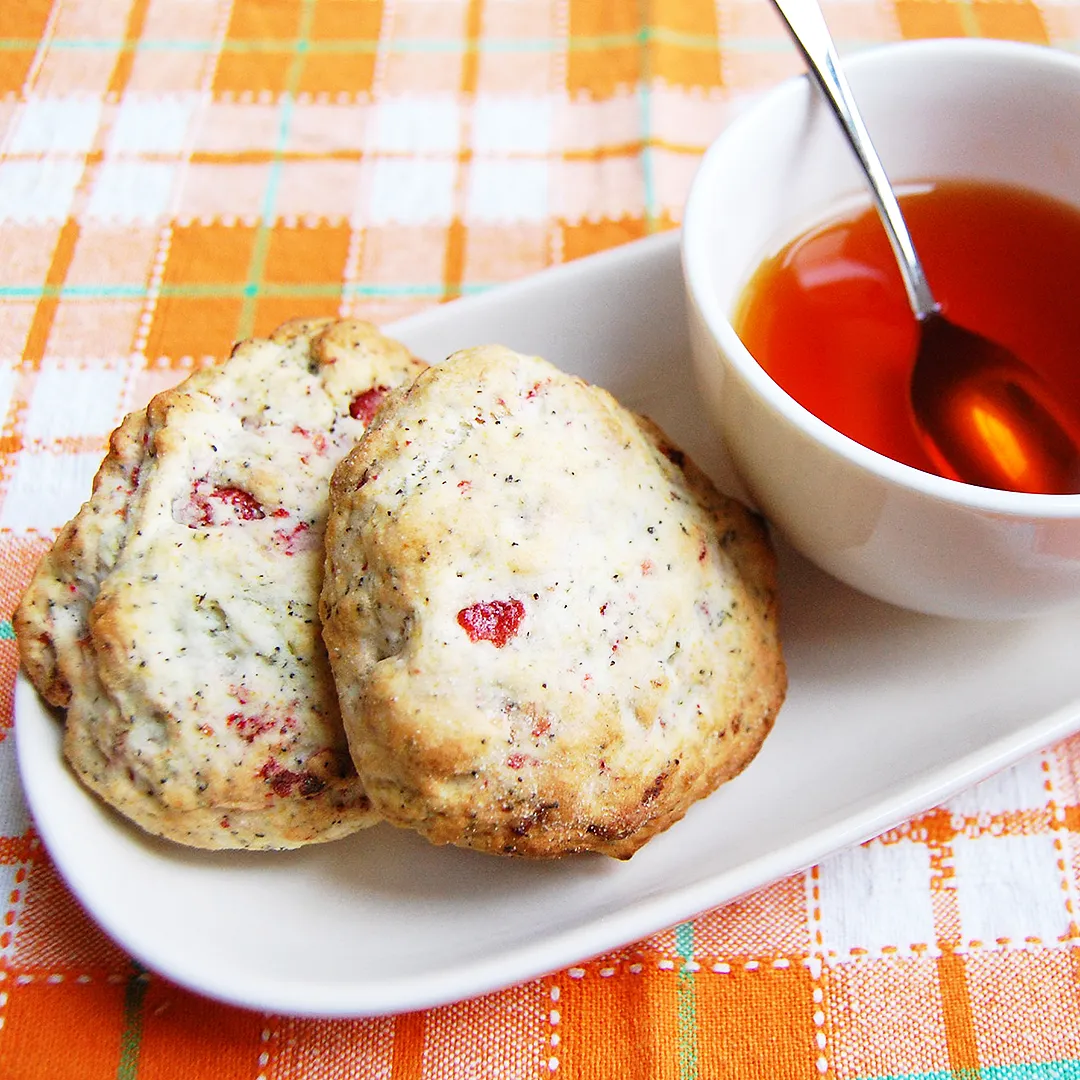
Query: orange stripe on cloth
[(618, 1026), (85, 1045), (940, 831), (45, 313), (960, 1039), (126, 58), (470, 60), (457, 233), (454, 258), (956, 1008), (213, 1041), (675, 63), (1014, 20), (408, 1059), (617, 64), (756, 1022)]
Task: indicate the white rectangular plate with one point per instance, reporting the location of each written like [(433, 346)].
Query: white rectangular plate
[(888, 713)]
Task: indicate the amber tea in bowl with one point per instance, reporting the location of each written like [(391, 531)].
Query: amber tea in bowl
[(828, 319), (778, 238)]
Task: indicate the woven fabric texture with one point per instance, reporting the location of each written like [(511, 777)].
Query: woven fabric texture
[(179, 174)]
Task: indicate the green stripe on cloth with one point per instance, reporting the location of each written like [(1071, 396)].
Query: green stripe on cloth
[(224, 289), (686, 1004), (1039, 1070), (7, 631), (648, 178), (594, 43), (261, 247), (590, 43), (1043, 1070), (131, 1036)]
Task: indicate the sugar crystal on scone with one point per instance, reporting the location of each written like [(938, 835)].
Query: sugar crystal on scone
[(549, 632)]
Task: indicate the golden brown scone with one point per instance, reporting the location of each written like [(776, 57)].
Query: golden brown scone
[(175, 617), (548, 631)]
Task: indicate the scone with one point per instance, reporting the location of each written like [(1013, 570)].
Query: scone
[(548, 631), (175, 617)]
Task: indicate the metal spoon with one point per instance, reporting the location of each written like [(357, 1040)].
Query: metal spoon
[(984, 416)]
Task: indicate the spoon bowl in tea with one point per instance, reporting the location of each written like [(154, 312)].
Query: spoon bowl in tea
[(983, 415)]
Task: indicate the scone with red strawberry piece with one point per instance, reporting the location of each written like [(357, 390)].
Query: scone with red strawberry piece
[(549, 632), (175, 618)]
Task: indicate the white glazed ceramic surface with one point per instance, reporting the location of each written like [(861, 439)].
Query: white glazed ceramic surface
[(888, 713), (959, 109)]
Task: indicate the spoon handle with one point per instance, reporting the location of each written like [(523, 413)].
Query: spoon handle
[(808, 28)]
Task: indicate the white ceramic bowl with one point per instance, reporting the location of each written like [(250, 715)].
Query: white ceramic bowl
[(962, 109)]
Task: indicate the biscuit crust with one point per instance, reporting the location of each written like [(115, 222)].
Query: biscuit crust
[(175, 617), (548, 630)]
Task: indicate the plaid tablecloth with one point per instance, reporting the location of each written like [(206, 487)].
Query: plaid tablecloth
[(177, 174)]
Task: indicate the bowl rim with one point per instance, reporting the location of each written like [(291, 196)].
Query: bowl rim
[(695, 265)]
